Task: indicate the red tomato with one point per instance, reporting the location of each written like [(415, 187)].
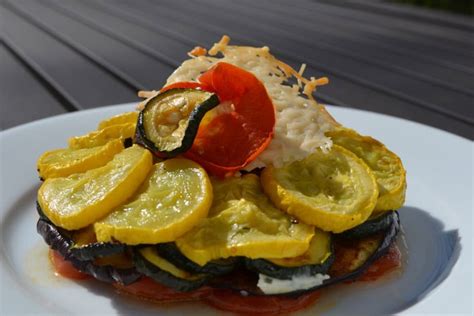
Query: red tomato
[(259, 305), (148, 289), (65, 268), (236, 136)]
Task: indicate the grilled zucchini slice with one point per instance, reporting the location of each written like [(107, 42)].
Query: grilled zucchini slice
[(317, 259), (169, 122), (150, 263), (214, 267)]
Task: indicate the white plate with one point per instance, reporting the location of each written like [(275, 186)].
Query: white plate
[(437, 220)]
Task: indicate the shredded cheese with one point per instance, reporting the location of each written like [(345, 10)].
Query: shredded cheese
[(197, 51), (220, 46), (270, 285), (147, 95)]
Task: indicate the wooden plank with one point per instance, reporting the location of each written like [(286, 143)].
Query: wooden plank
[(431, 33), (22, 96), (377, 27), (136, 69), (412, 90), (37, 20), (161, 46), (85, 82), (407, 11), (339, 34)]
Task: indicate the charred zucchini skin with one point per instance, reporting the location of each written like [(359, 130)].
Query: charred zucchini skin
[(164, 277), (369, 227), (215, 267), (57, 239), (194, 119)]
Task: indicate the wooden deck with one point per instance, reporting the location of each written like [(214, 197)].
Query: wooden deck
[(60, 56)]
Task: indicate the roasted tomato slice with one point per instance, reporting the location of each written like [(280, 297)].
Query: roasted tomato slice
[(223, 299)]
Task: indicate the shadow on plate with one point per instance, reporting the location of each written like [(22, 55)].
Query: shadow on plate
[(431, 255), (432, 252)]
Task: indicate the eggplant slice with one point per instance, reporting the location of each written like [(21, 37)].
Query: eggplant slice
[(59, 240)]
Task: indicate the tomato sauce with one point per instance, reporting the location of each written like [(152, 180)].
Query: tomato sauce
[(229, 300)]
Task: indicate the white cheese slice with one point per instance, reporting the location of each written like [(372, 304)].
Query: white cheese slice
[(270, 285)]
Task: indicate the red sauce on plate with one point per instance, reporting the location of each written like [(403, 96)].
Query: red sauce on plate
[(65, 268)]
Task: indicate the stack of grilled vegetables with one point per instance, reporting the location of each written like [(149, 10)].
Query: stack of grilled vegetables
[(122, 202)]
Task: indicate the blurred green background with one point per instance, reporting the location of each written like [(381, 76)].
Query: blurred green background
[(456, 6)]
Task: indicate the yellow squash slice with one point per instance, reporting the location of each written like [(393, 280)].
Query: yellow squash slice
[(123, 118), (81, 199), (243, 222), (103, 136), (64, 162), (387, 167), (334, 191), (175, 197)]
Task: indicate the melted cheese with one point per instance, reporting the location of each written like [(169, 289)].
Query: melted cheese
[(300, 121)]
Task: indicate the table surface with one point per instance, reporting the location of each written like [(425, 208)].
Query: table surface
[(61, 56)]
